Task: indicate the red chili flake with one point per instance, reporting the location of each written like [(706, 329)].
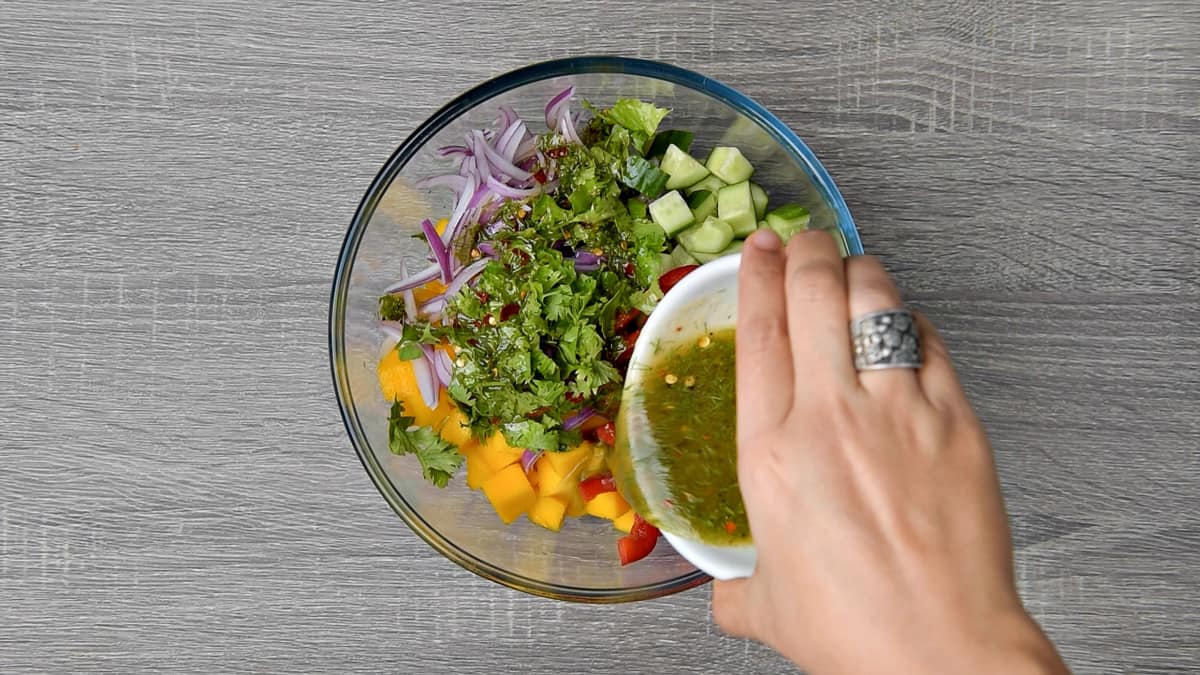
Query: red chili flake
[(557, 152), (483, 296), (574, 397), (508, 311), (630, 270), (540, 175), (473, 342), (730, 527)]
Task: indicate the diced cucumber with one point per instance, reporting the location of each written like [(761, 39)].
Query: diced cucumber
[(711, 236), (788, 220), (703, 204), (759, 195), (666, 262), (729, 165), (637, 208), (671, 212), (734, 247), (736, 207), (681, 257), (762, 224), (710, 183), (682, 168)]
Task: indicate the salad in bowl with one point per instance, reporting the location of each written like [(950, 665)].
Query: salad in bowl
[(493, 285)]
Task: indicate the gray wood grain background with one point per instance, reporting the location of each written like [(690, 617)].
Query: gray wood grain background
[(177, 492)]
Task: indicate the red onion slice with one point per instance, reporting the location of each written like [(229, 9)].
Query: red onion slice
[(442, 367), (420, 278), (509, 192), (529, 458), (452, 181), (464, 275), (425, 382), (451, 150), (553, 106), (498, 163), (440, 252), (576, 420)]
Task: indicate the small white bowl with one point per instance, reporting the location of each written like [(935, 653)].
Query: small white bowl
[(704, 301)]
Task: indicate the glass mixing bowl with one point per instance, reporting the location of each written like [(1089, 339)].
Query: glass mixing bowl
[(580, 562)]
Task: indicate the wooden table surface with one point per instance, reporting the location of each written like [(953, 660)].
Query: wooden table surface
[(177, 491)]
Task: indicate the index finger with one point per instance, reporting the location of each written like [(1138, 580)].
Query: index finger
[(764, 355)]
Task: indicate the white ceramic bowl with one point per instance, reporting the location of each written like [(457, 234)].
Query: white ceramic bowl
[(703, 302)]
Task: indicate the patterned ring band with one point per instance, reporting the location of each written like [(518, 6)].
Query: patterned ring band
[(886, 339)]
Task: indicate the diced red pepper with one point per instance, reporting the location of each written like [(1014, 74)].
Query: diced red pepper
[(638, 544), (509, 310), (607, 433), (624, 318), (595, 485), (667, 281)]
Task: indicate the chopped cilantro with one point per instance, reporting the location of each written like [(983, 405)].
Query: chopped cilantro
[(439, 459)]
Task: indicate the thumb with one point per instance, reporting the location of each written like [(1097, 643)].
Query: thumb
[(731, 607)]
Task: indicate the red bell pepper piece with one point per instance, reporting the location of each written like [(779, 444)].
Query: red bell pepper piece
[(595, 485), (638, 544), (607, 433), (668, 280)]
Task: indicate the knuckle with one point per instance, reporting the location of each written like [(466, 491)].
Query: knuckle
[(757, 332), (816, 279)]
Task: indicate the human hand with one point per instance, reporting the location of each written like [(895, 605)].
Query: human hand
[(882, 540)]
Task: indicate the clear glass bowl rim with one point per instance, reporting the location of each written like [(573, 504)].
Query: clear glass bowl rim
[(473, 97)]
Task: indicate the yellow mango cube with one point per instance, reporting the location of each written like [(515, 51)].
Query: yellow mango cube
[(548, 512), (455, 430), (551, 482), (510, 493), (624, 522), (498, 453), (608, 505), (568, 464), (478, 470), (597, 462), (399, 383)]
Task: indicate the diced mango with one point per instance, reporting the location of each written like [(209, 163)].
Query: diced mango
[(608, 505), (455, 430), (576, 507), (624, 522), (399, 383), (568, 464), (478, 470), (428, 291), (548, 512), (440, 225), (551, 482), (498, 453), (509, 492)]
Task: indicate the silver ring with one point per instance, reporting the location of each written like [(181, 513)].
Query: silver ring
[(886, 339)]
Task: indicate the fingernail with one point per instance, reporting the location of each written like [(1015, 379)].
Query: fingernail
[(765, 240)]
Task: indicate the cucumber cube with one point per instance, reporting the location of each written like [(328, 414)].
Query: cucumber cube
[(703, 204), (682, 168), (759, 195), (788, 220), (736, 207), (671, 212), (681, 257), (735, 247), (711, 236), (710, 183), (729, 165)]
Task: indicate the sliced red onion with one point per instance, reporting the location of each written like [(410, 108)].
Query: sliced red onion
[(577, 420), (425, 382), (498, 163), (507, 117), (394, 330), (478, 198), (509, 192), (440, 252), (420, 278), (586, 267), (567, 129), (486, 248), (434, 305), (464, 275), (492, 228), (410, 301), (507, 144), (452, 181), (451, 150), (586, 257), (460, 209), (529, 458), (442, 367), (555, 104)]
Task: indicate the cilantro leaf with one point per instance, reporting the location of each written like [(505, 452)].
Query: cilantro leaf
[(439, 459)]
